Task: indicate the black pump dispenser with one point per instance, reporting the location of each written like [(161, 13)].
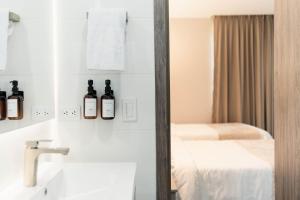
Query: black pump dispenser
[(15, 89), (107, 87), (91, 90), (2, 94), (90, 102), (108, 102)]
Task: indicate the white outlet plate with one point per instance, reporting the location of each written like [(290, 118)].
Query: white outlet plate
[(71, 113), (39, 113)]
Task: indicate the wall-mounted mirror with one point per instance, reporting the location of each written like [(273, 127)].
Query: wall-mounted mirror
[(26, 50)]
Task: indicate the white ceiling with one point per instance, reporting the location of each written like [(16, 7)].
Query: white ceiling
[(208, 8)]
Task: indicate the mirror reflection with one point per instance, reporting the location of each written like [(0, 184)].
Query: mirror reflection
[(26, 66)]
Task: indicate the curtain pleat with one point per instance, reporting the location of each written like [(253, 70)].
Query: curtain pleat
[(243, 77)]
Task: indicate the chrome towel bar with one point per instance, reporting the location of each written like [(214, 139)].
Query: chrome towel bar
[(13, 17)]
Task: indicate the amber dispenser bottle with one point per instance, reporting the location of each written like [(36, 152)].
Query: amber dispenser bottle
[(15, 103), (3, 106), (108, 103), (90, 105)]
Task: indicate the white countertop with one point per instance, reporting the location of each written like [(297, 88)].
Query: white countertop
[(109, 180)]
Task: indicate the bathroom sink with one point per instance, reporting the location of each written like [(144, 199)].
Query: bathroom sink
[(90, 181)]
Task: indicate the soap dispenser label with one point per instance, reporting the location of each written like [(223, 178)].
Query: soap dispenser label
[(12, 107), (90, 107), (108, 108)]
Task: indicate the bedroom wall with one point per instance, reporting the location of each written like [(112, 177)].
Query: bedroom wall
[(191, 70), (205, 9)]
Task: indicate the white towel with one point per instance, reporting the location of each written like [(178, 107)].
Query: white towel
[(106, 39), (4, 29)]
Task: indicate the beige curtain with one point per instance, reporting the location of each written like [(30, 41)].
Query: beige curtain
[(243, 77)]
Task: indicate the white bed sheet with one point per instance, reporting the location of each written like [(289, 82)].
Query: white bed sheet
[(220, 170)]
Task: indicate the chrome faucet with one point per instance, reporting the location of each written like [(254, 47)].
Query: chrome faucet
[(32, 153)]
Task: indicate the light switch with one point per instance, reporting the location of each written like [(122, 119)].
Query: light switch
[(129, 109)]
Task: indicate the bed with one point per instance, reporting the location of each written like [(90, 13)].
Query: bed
[(225, 131), (223, 169)]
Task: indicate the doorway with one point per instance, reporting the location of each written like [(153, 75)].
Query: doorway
[(163, 118)]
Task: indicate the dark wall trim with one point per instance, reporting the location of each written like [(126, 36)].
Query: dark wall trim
[(162, 85)]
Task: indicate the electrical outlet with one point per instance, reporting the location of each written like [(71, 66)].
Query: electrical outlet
[(71, 113), (39, 113)]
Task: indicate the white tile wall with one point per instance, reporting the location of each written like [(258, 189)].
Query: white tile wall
[(139, 49), (109, 141), (70, 9), (30, 9), (31, 62), (30, 58)]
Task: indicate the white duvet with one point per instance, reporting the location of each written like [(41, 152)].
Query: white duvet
[(222, 170)]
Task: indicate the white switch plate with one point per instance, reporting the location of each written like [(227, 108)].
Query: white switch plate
[(39, 113), (70, 113), (129, 108)]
